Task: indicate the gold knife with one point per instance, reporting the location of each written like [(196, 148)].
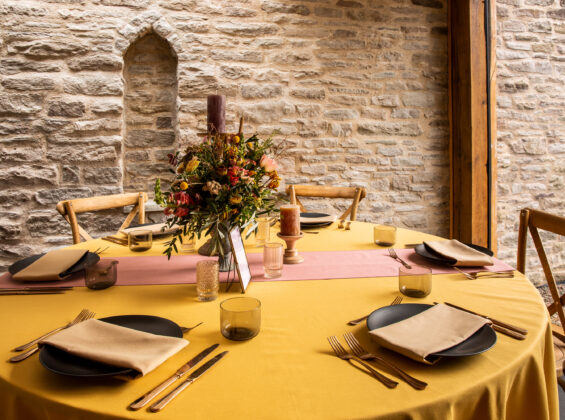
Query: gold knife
[(159, 405), (143, 400)]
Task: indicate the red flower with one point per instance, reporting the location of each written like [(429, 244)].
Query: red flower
[(181, 212), (182, 198), (168, 211)]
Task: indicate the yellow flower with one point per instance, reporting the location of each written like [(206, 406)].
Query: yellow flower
[(236, 139), (180, 168), (236, 199), (193, 164), (183, 185)]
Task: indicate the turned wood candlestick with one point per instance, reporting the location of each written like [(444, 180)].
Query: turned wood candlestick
[(291, 255)]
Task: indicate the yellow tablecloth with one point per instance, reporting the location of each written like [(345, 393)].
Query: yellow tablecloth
[(288, 371)]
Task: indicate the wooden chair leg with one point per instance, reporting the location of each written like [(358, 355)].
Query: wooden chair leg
[(73, 222), (141, 209)]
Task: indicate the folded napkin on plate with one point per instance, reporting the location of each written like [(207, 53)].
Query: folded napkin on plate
[(322, 219), (433, 330), (50, 266), (461, 253), (156, 228), (115, 345)]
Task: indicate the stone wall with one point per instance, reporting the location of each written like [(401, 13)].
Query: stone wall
[(357, 88), (531, 122)]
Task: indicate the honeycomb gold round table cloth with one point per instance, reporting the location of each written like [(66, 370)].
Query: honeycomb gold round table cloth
[(289, 371)]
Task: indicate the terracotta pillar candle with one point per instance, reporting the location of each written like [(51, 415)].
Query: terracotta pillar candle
[(216, 113), (290, 220)]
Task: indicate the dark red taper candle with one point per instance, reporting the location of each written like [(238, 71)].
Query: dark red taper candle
[(216, 114)]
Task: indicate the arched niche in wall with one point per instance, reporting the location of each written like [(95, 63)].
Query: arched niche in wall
[(150, 111)]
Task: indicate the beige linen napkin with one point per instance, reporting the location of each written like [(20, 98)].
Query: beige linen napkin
[(431, 331), (323, 219), (115, 345), (50, 266), (463, 255)]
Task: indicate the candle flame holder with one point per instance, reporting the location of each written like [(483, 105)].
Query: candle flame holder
[(291, 255)]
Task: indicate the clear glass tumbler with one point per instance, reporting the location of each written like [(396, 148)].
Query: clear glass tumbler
[(101, 275), (273, 260), (384, 235), (140, 240), (263, 233), (415, 282), (207, 280), (188, 243), (240, 318)]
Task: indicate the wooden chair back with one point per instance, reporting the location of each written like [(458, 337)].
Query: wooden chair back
[(70, 208), (355, 193), (533, 220)]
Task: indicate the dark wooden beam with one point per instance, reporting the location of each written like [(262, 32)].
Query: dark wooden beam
[(472, 122)]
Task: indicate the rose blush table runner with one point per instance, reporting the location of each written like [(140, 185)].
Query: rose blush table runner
[(318, 265)]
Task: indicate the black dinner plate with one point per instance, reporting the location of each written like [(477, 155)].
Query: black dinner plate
[(425, 252), (478, 343), (63, 363), (313, 224), (89, 259)]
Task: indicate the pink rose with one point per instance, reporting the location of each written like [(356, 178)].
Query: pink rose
[(268, 164)]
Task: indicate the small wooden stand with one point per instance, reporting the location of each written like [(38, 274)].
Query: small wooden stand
[(291, 255)]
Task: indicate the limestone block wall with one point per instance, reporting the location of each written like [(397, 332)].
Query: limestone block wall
[(357, 88), (531, 122)]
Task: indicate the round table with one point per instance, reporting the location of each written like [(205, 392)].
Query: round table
[(289, 371)]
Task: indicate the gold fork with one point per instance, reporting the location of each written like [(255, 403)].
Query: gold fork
[(396, 301), (485, 274), (188, 329), (394, 255), (343, 354), (84, 315), (360, 352)]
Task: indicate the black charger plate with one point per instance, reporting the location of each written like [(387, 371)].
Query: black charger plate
[(88, 260), (313, 224), (478, 343), (422, 251), (63, 363)]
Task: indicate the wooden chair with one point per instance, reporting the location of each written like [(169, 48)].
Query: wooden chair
[(70, 208), (355, 193), (533, 220)]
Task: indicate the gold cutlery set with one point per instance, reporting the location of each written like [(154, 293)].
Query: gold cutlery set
[(360, 355), (32, 345), (184, 369), (116, 240), (34, 290)]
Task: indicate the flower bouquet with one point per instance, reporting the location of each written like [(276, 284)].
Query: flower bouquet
[(221, 183)]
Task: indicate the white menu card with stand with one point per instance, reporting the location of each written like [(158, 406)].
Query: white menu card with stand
[(240, 257)]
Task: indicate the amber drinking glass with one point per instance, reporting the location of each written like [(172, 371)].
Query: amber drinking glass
[(207, 280), (140, 240), (415, 281), (240, 318)]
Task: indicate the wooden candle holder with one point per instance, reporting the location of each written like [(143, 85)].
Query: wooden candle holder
[(291, 255)]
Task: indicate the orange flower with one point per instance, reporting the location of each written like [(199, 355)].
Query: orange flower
[(183, 185), (235, 199)]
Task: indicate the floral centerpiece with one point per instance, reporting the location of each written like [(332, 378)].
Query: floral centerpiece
[(223, 182)]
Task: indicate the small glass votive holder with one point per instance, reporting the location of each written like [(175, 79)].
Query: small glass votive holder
[(263, 232), (240, 318), (140, 240), (101, 275), (207, 280), (273, 260), (415, 282), (384, 235), (188, 243)]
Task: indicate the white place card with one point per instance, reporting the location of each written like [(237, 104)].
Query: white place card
[(240, 257)]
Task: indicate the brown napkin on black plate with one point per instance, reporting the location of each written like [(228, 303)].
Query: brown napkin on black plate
[(50, 266), (115, 345), (433, 330), (463, 255)]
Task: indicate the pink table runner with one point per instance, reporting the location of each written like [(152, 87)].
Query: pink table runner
[(319, 265)]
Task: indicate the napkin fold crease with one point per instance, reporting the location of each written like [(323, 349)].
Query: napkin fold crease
[(433, 330), (461, 254), (116, 345), (50, 266)]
